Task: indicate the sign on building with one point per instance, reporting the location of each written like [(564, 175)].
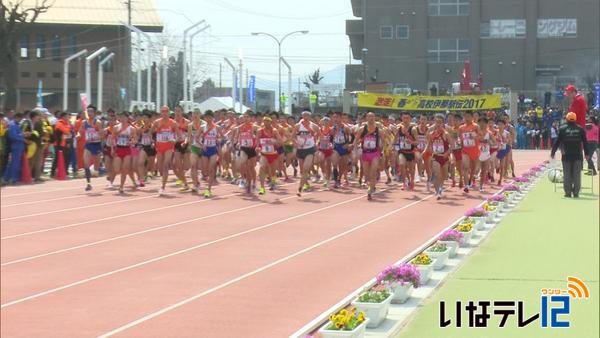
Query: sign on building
[(556, 28)]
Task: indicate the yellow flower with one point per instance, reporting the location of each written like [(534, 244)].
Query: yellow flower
[(361, 317), (339, 326), (343, 312)]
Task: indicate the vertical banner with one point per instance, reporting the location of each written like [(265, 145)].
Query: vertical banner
[(84, 101), (252, 89), (237, 94), (40, 98), (597, 100)]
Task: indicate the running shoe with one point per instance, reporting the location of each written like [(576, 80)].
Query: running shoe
[(326, 184), (369, 197), (88, 187), (121, 191), (417, 178), (161, 192), (306, 187), (272, 186), (466, 189), (109, 185), (262, 191), (207, 193), (185, 188), (142, 183), (178, 182), (195, 188), (389, 180)]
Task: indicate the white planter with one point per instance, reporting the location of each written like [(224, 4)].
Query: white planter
[(452, 247), (492, 215), (375, 312), (467, 237), (401, 293), (424, 271), (358, 331), (479, 222), (440, 258)]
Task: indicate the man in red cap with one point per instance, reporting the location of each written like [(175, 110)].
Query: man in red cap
[(578, 104)]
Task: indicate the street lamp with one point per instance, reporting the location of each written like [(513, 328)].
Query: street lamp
[(364, 62), (279, 42)]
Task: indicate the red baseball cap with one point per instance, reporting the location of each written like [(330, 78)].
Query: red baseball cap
[(570, 88)]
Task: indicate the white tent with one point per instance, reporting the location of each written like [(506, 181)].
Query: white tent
[(218, 103)]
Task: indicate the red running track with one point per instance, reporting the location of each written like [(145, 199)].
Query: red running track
[(84, 265)]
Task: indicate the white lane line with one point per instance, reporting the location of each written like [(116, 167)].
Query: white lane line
[(42, 201), (254, 272), (115, 217), (262, 203), (179, 252), (124, 200), (40, 192)]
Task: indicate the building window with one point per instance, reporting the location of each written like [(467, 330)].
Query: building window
[(40, 47), (402, 32), (72, 75), (56, 48), (56, 75), (556, 28), (386, 32), (24, 47), (503, 29), (25, 74), (41, 74), (73, 44), (447, 50), (448, 7)]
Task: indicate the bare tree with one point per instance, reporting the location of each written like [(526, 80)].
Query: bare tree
[(15, 17), (314, 78)]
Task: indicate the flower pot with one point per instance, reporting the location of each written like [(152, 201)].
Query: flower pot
[(491, 215), (358, 331), (467, 237), (452, 246), (375, 312), (440, 258), (479, 222), (401, 292), (425, 271)]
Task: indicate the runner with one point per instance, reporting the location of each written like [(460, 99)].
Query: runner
[(406, 160), (147, 157), (167, 132), (306, 133), (269, 140), (325, 150), (92, 129), (503, 149), (513, 137), (109, 148), (181, 158), (469, 138), (245, 135), (211, 138), (438, 143), (195, 134), (492, 165), (421, 155), (341, 146), (369, 137), (486, 142), (125, 135), (454, 122)]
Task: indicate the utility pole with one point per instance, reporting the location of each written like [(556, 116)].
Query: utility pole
[(247, 84), (220, 74)]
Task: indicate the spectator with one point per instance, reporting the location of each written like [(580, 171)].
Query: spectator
[(63, 141), (16, 140), (578, 105), (35, 162), (591, 133), (3, 143), (571, 139), (554, 132)]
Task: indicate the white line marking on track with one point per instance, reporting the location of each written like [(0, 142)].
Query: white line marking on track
[(156, 259), (143, 231), (41, 192), (41, 201), (125, 200), (117, 216), (256, 271)]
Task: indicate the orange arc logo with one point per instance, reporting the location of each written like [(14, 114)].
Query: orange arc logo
[(577, 288)]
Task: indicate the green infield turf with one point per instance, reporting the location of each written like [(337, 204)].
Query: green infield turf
[(546, 238)]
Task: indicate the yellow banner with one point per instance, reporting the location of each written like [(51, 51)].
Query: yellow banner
[(430, 103)]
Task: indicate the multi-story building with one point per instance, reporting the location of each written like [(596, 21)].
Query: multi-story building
[(68, 27), (530, 45)]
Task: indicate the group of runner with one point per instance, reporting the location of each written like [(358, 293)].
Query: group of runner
[(468, 147)]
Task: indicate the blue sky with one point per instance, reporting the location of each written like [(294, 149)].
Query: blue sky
[(232, 21)]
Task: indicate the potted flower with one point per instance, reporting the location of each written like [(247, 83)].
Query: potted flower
[(401, 280), (440, 253), (492, 210), (452, 238), (424, 264), (498, 201), (375, 303), (346, 323), (467, 231), (478, 215), (510, 191)]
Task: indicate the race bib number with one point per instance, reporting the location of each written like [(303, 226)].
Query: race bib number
[(485, 148), (267, 146), (305, 141), (210, 141), (91, 135), (467, 140), (183, 136), (165, 136), (503, 146), (123, 140), (246, 139), (405, 145), (339, 139), (396, 146), (438, 148), (370, 142), (325, 143), (146, 140)]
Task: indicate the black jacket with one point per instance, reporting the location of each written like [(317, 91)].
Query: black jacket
[(571, 140)]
